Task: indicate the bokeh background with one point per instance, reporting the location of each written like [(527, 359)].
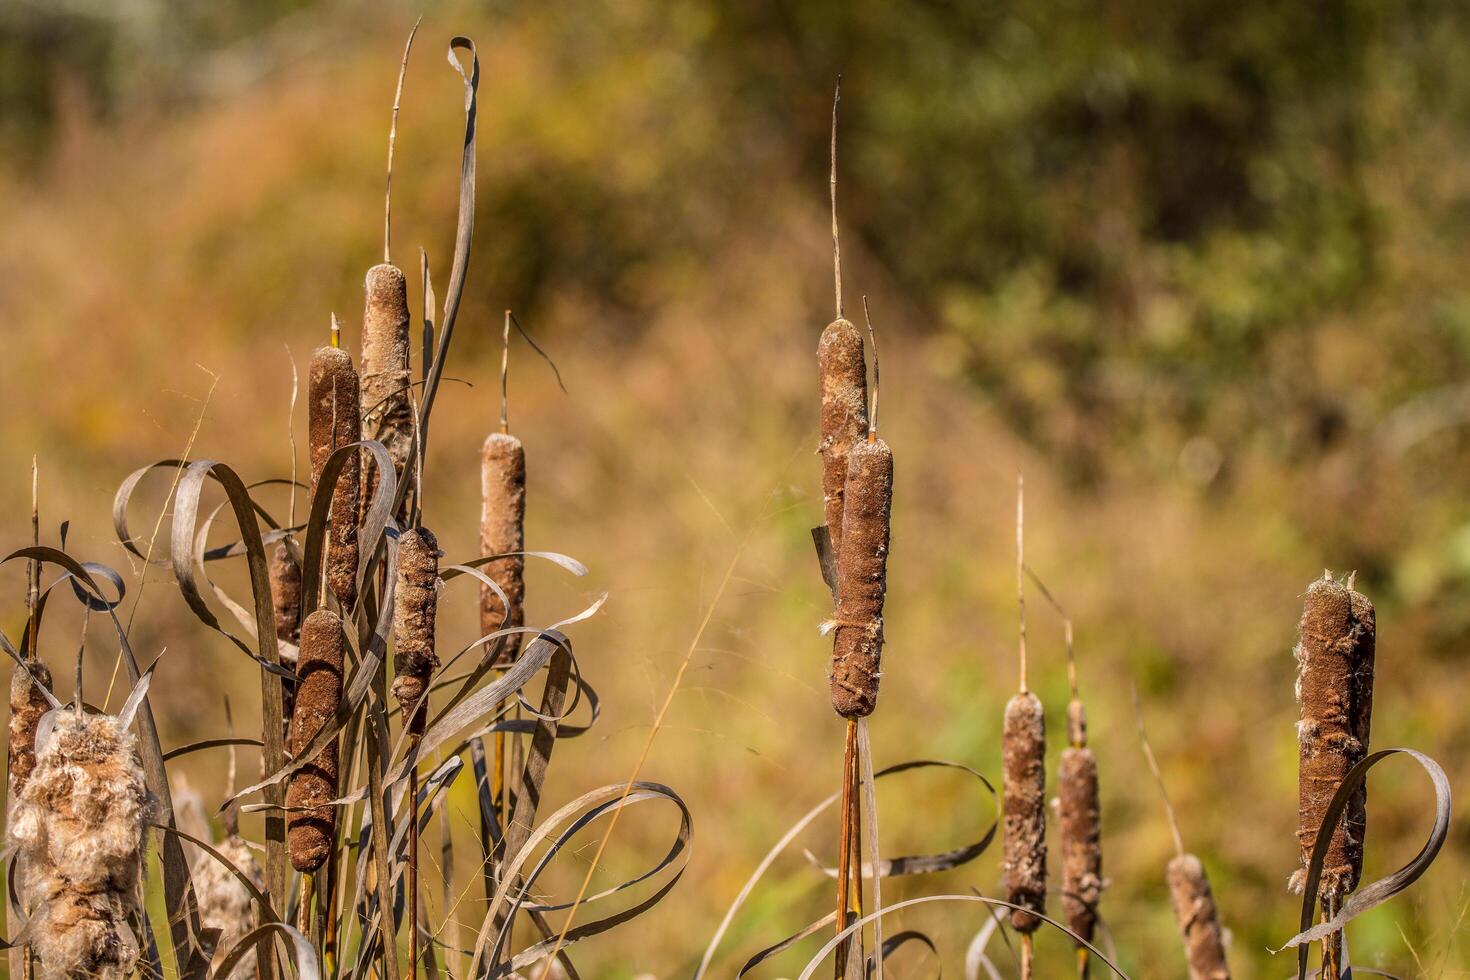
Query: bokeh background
[(1196, 269)]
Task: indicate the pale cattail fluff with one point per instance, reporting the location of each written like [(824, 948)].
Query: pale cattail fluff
[(224, 902), (77, 832)]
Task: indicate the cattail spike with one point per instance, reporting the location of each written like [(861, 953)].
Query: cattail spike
[(862, 579), (1198, 918), (27, 704), (415, 607), (1335, 657), (1024, 791), (503, 532), (311, 827), (386, 412), (1079, 815), (334, 415), (844, 388)]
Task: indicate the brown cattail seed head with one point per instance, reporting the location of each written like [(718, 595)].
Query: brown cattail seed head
[(387, 415), (503, 530), (311, 826), (844, 385), (78, 834), (415, 605), (1023, 749), (27, 705), (224, 903), (862, 579), (1199, 920), (1335, 688), (285, 576), (334, 421), (1081, 837)]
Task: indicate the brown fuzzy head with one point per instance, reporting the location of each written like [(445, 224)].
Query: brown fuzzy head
[(1023, 748), (334, 420), (862, 579), (1335, 658), (27, 705), (844, 387), (225, 903), (415, 605), (1080, 818), (1199, 920), (503, 530), (311, 828), (285, 576), (387, 412)]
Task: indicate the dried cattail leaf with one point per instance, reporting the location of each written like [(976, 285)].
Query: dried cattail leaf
[(503, 530), (225, 903), (27, 705), (334, 416), (78, 834), (844, 387), (1199, 920), (285, 576), (415, 606), (1335, 657), (1023, 749), (862, 579), (1080, 819), (387, 414), (311, 827)]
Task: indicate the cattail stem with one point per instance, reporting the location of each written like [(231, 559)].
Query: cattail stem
[(1020, 574), (1028, 956), (413, 870), (844, 847), (832, 180)]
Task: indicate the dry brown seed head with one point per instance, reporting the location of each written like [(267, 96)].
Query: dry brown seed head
[(285, 578), (1080, 818), (1199, 920), (334, 417), (1023, 746), (503, 530), (862, 579), (27, 705), (225, 903), (1335, 657), (311, 833), (415, 606), (387, 414), (844, 388)]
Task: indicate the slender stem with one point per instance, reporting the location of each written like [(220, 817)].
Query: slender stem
[(1084, 963), (1020, 571), (393, 138), (1153, 766), (505, 376), (303, 907), (413, 867), (844, 847), (836, 242), (1027, 956), (1331, 945)]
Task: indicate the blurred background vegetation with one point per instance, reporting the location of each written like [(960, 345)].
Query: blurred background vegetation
[(1195, 268)]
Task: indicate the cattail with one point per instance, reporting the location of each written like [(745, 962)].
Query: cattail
[(1023, 755), (27, 705), (1199, 921), (1023, 748), (334, 417), (386, 413), (225, 903), (415, 603), (78, 834), (1335, 688), (862, 579), (503, 530), (285, 579), (844, 386), (311, 827), (1081, 830)]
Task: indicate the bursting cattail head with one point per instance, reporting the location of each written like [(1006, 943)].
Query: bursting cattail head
[(78, 834), (387, 415), (1023, 747), (415, 607), (225, 904), (27, 705), (334, 416), (844, 389), (311, 826), (1335, 688), (862, 579), (1199, 920), (503, 530)]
